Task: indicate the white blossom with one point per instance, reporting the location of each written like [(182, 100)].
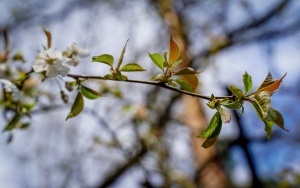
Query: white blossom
[(75, 50), (53, 62), (10, 87)]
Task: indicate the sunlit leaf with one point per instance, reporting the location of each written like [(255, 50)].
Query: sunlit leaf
[(49, 37), (187, 71), (247, 82), (104, 58), (174, 52), (225, 115), (214, 128), (184, 85), (212, 132), (261, 103), (191, 80), (76, 107), (236, 91), (213, 102), (157, 59), (270, 84), (13, 122), (268, 128), (231, 105), (132, 67), (89, 93)]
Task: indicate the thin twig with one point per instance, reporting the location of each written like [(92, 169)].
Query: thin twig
[(159, 84)]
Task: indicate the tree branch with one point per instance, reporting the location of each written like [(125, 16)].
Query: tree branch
[(158, 84)]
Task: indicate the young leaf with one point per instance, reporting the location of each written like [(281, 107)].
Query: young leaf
[(76, 107), (247, 82), (270, 84), (191, 80), (277, 118), (89, 93), (236, 91), (121, 57), (184, 86), (213, 102), (186, 71), (231, 105), (225, 115), (261, 103), (104, 58), (132, 67), (13, 122), (212, 132), (268, 128), (157, 59), (121, 77), (214, 128), (49, 38), (174, 52)]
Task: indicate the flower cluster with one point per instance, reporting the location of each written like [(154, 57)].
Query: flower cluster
[(54, 62)]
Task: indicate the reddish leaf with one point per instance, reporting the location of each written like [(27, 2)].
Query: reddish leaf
[(191, 80), (270, 84), (174, 52), (48, 35)]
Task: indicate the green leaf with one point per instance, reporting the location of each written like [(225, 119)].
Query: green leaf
[(231, 105), (214, 128), (192, 80), (212, 132), (132, 67), (184, 86), (268, 128), (277, 118), (76, 107), (157, 59), (13, 122), (108, 77), (247, 82), (213, 102), (261, 103), (121, 77), (186, 71), (89, 93), (236, 91), (104, 58)]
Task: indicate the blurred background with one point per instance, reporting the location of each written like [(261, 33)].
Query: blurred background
[(144, 136)]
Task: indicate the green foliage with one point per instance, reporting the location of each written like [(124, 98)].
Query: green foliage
[(89, 93), (247, 82), (77, 106), (104, 58), (212, 132), (131, 67), (158, 60)]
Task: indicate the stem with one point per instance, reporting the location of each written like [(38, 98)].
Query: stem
[(159, 84)]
